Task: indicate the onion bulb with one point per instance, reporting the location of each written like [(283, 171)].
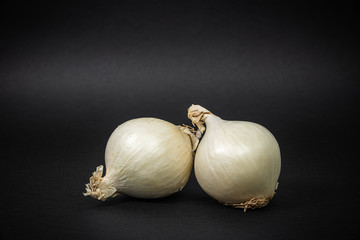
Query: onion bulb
[(237, 162), (144, 158)]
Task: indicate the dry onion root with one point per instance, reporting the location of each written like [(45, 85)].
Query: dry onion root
[(252, 203)]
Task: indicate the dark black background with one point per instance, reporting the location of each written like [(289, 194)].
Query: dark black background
[(71, 72)]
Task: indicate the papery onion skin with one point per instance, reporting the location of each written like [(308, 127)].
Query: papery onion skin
[(237, 162), (145, 158)]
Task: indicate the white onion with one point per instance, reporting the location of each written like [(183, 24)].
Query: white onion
[(144, 158), (237, 163)]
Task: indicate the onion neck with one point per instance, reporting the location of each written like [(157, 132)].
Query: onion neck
[(99, 187), (212, 120), (198, 115)]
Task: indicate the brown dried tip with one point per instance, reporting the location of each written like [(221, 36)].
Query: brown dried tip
[(190, 131), (197, 114), (97, 189), (252, 203)]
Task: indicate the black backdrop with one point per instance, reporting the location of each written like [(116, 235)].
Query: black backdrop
[(71, 72)]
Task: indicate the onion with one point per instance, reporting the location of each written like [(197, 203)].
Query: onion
[(237, 163), (144, 158)]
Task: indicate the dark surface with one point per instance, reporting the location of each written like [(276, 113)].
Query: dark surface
[(70, 73)]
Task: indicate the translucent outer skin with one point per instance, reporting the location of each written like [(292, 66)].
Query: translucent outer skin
[(237, 161), (147, 158)]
